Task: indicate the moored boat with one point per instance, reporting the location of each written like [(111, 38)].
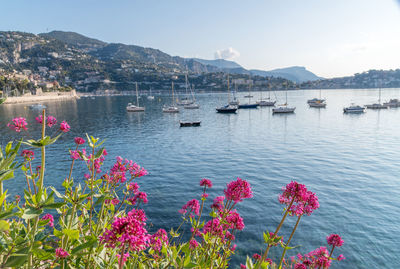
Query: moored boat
[(135, 108), (171, 108), (189, 123), (354, 109), (393, 103)]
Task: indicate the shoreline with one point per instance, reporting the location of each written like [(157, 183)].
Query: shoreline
[(41, 98)]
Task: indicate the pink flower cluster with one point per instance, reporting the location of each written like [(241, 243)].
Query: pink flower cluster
[(238, 190), (51, 121), (28, 155), (79, 140), (318, 258), (158, 239), (334, 240), (193, 206), (234, 221), (218, 203), (193, 244), (121, 167), (50, 218), (300, 200), (206, 182), (129, 230), (61, 253), (18, 124)]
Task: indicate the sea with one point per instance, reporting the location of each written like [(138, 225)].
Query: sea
[(351, 161)]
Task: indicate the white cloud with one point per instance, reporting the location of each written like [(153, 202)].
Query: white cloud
[(226, 54)]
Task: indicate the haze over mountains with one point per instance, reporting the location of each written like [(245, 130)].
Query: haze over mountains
[(120, 51)]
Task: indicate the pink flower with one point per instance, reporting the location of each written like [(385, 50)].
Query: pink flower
[(242, 266), (334, 240), (50, 121), (159, 239), (218, 203), (64, 127), (238, 190), (193, 205), (256, 256), (204, 196), (18, 124), (300, 266), (300, 200), (233, 248), (115, 201), (214, 227), (28, 155), (124, 259), (61, 253), (341, 257), (235, 221), (39, 119), (50, 218), (318, 258), (193, 244), (129, 230), (133, 187), (75, 154), (79, 140), (206, 182)]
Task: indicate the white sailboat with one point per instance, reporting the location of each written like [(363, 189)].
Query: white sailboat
[(377, 105), (150, 97), (268, 101), (172, 108), (284, 107), (185, 100), (131, 107), (194, 105)]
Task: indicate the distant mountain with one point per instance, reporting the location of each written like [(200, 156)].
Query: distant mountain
[(294, 73), (220, 63)]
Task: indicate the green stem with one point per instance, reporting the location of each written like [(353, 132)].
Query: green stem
[(40, 183), (265, 255), (288, 242)]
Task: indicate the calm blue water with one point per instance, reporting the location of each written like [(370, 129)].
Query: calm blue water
[(350, 161)]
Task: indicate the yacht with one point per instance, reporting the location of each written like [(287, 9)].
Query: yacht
[(192, 106), (268, 101), (37, 106), (315, 100), (318, 104)]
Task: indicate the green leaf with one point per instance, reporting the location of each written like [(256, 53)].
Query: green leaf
[(91, 243), (4, 226), (266, 237), (72, 234), (42, 254), (3, 197), (31, 213), (99, 153)]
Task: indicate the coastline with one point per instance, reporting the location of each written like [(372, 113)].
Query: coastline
[(53, 96)]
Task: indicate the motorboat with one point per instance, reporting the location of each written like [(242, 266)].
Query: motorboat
[(192, 106), (354, 109), (266, 103), (317, 104)]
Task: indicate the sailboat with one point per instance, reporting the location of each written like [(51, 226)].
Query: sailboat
[(227, 108), (318, 103), (377, 105), (131, 107), (249, 105), (267, 102), (235, 101), (172, 108), (193, 105), (354, 109), (150, 97), (185, 100), (284, 107)]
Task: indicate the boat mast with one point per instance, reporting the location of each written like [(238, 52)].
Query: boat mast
[(137, 95), (249, 89), (173, 97), (269, 90), (379, 96), (286, 93), (229, 94)]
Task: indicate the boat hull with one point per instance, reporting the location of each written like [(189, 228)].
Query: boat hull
[(189, 123), (226, 110), (266, 103), (247, 106), (280, 110)]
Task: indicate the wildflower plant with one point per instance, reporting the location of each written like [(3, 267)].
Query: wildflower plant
[(100, 222)]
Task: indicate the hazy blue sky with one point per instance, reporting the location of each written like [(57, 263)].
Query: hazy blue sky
[(330, 38)]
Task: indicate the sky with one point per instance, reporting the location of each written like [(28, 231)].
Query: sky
[(330, 38)]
